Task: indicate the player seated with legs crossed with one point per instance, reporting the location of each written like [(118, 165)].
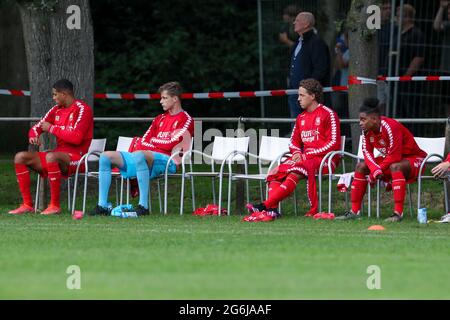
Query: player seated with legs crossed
[(169, 131), (399, 161), (71, 122), (316, 132)]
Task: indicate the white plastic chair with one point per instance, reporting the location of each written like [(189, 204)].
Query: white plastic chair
[(168, 175), (96, 148), (95, 144), (434, 147), (225, 150), (123, 144), (271, 150)]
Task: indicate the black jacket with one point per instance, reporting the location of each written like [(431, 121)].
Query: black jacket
[(313, 61)]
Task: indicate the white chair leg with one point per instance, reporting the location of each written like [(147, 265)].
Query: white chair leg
[(165, 194), (214, 189), (121, 191), (117, 192), (74, 197), (246, 183), (68, 194), (192, 188), (378, 199), (229, 196), (159, 196), (261, 191), (36, 200), (410, 201), (193, 193), (182, 195), (446, 198), (128, 191), (85, 192), (150, 197), (220, 195)]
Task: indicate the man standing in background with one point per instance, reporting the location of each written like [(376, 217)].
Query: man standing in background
[(310, 58)]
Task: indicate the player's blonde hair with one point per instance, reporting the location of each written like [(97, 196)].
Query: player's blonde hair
[(172, 88)]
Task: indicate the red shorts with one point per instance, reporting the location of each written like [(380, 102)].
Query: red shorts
[(310, 166), (74, 159), (414, 162)]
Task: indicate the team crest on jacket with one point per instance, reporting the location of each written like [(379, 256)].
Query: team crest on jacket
[(71, 117), (175, 124), (382, 142), (160, 124), (57, 118), (372, 140), (317, 123), (302, 122)]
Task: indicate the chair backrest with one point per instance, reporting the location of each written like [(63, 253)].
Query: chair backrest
[(342, 143), (224, 145), (376, 153), (432, 145), (123, 143), (271, 147), (97, 145)]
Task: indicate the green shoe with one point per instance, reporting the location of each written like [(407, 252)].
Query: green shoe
[(349, 216)]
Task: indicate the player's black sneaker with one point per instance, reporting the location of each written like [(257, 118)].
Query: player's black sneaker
[(100, 211)]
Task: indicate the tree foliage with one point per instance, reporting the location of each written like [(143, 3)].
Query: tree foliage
[(205, 45)]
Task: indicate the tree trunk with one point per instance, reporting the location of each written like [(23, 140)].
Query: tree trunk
[(363, 61), (55, 52), (73, 50)]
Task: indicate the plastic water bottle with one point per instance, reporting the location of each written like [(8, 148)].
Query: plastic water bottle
[(129, 214), (422, 215)]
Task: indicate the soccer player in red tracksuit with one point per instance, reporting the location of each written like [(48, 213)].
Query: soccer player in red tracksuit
[(71, 122), (316, 133), (399, 162), (148, 158)]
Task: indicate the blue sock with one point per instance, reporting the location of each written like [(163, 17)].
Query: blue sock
[(143, 177), (104, 180)]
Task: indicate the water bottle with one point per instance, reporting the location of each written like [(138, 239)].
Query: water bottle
[(422, 215), (129, 214)]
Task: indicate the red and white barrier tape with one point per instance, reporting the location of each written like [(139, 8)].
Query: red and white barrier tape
[(14, 92), (352, 80), (418, 78), (208, 95)]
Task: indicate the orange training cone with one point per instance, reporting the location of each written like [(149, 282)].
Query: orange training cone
[(376, 227)]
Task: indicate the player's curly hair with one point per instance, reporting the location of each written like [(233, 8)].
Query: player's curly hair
[(370, 106), (312, 86), (172, 88)]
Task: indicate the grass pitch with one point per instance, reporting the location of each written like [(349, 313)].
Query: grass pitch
[(187, 257)]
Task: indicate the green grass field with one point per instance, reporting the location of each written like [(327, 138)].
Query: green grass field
[(187, 257)]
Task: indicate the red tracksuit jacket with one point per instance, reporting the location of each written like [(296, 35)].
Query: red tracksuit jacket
[(73, 127)]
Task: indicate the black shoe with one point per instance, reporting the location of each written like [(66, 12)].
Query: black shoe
[(100, 211), (274, 212), (255, 208), (348, 215), (394, 218), (141, 211)]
